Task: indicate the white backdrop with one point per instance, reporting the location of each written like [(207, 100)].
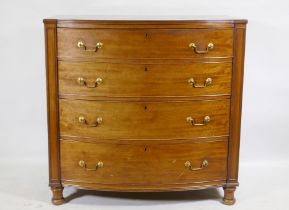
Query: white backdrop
[(265, 126)]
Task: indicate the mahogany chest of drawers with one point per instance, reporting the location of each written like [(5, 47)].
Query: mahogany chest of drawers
[(144, 105)]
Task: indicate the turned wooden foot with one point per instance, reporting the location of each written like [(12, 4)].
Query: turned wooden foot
[(229, 198), (57, 196)]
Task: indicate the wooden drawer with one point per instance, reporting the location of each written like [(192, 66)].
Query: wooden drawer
[(137, 164), (119, 80), (144, 43), (143, 120)]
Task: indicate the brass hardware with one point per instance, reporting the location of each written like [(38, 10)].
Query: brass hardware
[(98, 81), (192, 121), (210, 46), (188, 164), (99, 45), (207, 82), (99, 120), (81, 44), (82, 82), (82, 164), (83, 121)]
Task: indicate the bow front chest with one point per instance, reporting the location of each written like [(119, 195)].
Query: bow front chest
[(144, 105)]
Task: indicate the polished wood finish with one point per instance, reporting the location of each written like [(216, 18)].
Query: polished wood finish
[(159, 22), (229, 198), (57, 197), (52, 111), (236, 105), (137, 164), (148, 119), (144, 138), (139, 43), (122, 80)]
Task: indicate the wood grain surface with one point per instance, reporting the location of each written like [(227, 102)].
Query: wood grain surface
[(144, 79), (130, 164), (139, 43), (144, 99), (144, 120)]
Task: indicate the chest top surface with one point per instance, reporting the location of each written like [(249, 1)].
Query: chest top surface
[(142, 19)]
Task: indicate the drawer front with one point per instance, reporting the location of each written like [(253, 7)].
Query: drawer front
[(117, 80), (152, 164), (140, 43), (144, 120)]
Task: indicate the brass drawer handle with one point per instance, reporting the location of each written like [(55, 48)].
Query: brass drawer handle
[(188, 164), (81, 81), (83, 165), (81, 45), (207, 82), (83, 121), (192, 121), (210, 46)]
